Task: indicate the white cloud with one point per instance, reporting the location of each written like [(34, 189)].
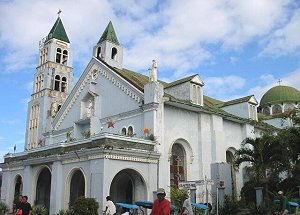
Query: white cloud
[(286, 39), (223, 87), (164, 31)]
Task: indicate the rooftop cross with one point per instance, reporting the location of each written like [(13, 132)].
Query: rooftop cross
[(59, 12), (279, 82)]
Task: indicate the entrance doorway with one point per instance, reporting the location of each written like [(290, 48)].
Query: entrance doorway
[(77, 186), (43, 188), (128, 186)]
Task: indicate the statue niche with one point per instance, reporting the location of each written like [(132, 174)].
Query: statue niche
[(90, 107)]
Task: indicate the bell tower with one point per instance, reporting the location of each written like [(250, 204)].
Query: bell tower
[(109, 49), (53, 81)]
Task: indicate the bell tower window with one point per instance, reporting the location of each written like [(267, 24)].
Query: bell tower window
[(63, 84), (65, 57), (98, 52), (56, 82), (58, 55), (114, 52)]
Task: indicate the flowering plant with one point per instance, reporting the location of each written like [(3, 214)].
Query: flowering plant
[(147, 130)]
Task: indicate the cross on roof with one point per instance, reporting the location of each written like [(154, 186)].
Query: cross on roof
[(59, 12), (279, 82)]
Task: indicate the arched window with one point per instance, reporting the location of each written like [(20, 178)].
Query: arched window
[(229, 160), (63, 84), (18, 186), (288, 107), (194, 93), (276, 109), (198, 95), (65, 57), (77, 187), (58, 55), (177, 165), (57, 82), (123, 131), (114, 52), (43, 188), (266, 111), (58, 107), (98, 52), (37, 84), (130, 131)]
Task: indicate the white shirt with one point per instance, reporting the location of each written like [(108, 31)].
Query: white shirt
[(111, 208), (187, 207)]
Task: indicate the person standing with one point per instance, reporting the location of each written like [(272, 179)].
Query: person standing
[(284, 204), (25, 206), (161, 206), (18, 204), (110, 208), (187, 206)]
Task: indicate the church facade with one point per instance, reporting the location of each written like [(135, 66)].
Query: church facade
[(120, 133)]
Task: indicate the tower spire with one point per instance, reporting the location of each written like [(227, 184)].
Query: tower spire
[(58, 31), (109, 34)]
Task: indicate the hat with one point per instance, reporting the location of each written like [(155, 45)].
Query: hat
[(280, 192), (160, 191)]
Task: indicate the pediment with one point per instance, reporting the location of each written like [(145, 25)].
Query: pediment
[(197, 80), (97, 76)]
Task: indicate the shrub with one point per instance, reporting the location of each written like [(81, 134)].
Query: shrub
[(3, 208), (178, 197), (39, 210), (65, 212), (230, 206), (85, 206)]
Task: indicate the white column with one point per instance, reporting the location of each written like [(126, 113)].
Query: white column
[(57, 188)]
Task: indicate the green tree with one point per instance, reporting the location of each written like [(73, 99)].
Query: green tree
[(262, 154), (85, 206)]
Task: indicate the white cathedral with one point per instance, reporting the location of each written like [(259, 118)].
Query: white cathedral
[(117, 132)]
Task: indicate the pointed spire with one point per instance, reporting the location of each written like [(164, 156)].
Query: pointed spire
[(58, 31), (109, 34)]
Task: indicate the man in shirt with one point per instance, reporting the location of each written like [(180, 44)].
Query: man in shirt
[(284, 204), (187, 206), (25, 206), (161, 206), (110, 208)]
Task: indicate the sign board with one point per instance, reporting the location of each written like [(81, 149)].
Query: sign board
[(204, 182), (191, 185)]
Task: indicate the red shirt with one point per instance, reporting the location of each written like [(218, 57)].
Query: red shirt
[(161, 208)]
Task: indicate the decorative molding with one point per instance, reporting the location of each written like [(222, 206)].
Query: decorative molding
[(130, 158)]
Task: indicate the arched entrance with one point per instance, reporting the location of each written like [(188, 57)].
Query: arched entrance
[(43, 188), (18, 188), (229, 160), (177, 165), (77, 186), (128, 186)]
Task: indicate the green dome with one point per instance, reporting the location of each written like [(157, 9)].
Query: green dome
[(280, 94)]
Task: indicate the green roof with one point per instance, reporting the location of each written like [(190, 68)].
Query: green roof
[(180, 81), (136, 79), (58, 32), (237, 101), (280, 94), (109, 34)]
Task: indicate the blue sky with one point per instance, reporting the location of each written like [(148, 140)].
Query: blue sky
[(237, 47)]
